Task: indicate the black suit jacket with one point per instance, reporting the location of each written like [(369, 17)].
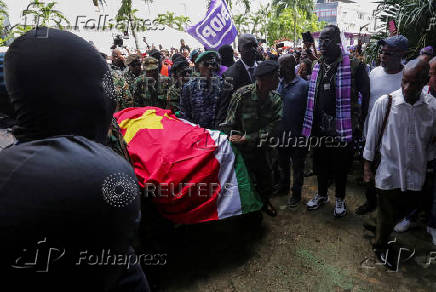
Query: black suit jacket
[(237, 76)]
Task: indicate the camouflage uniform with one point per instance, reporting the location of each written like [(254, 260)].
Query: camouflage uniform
[(173, 98), (148, 96), (256, 118), (123, 95), (130, 79), (116, 141)]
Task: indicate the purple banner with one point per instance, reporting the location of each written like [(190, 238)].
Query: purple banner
[(217, 28)]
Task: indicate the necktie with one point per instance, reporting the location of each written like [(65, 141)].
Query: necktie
[(251, 73)]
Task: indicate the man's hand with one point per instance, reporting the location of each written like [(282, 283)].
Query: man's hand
[(237, 139), (367, 172)]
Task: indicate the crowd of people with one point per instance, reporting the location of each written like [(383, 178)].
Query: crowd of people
[(320, 103)]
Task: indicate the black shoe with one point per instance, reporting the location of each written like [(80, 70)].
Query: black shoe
[(269, 209), (293, 201), (365, 209)]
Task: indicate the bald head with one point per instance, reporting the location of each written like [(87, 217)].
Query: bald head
[(419, 67), (117, 58), (247, 46), (415, 76), (287, 67), (246, 39)]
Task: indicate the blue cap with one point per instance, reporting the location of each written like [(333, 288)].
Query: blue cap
[(398, 42)]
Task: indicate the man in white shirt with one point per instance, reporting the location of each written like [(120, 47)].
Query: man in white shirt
[(431, 93), (406, 147), (384, 79)]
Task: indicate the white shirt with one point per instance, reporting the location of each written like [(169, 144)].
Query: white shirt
[(406, 146), (381, 83), (248, 67)]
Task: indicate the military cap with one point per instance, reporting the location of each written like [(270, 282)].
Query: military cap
[(155, 54), (179, 64), (207, 54), (150, 64), (265, 68), (131, 58)]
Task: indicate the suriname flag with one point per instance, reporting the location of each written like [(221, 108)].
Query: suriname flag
[(192, 174)]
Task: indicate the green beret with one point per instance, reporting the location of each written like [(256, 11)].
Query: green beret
[(206, 54)]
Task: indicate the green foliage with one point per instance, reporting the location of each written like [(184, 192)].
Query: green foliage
[(128, 14), (43, 14), (245, 3), (416, 20), (282, 26), (176, 22), (241, 22), (302, 5)]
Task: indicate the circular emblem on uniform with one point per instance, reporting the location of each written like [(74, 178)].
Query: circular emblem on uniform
[(119, 190)]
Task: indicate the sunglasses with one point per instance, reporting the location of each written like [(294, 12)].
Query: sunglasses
[(211, 62)]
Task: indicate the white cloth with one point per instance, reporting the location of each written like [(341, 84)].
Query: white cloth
[(406, 146), (381, 83)]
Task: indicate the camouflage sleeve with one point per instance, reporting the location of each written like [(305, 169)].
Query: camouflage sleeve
[(115, 141), (127, 97), (122, 91), (232, 121), (138, 90), (271, 129), (173, 99)]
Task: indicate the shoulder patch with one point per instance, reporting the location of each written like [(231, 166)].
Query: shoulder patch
[(247, 89)]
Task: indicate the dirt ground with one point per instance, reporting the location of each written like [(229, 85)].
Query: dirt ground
[(299, 250)]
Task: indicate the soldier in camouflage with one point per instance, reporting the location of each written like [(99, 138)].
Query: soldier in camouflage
[(123, 95), (134, 70), (254, 114), (180, 72), (150, 89)]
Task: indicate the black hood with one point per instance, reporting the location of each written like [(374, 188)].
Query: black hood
[(58, 84)]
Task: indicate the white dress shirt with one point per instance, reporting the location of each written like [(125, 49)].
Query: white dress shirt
[(248, 67), (406, 146)]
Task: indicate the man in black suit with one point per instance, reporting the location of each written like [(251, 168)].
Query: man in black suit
[(239, 74)]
